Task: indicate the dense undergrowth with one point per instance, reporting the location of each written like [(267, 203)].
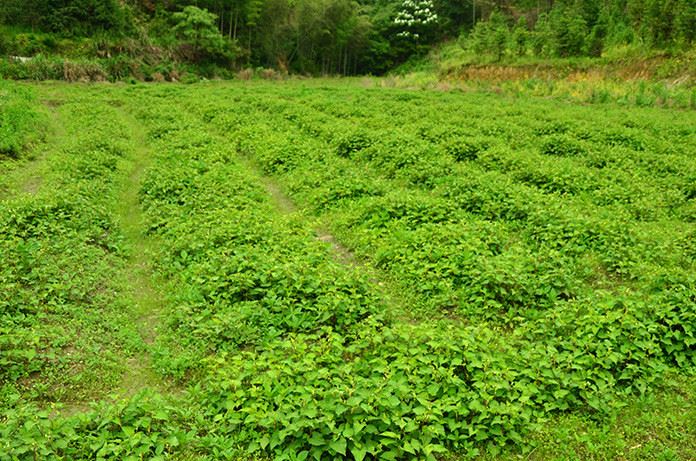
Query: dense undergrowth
[(547, 258), (624, 75), (20, 122), (120, 68)]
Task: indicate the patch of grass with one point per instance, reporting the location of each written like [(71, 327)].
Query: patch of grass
[(657, 426)]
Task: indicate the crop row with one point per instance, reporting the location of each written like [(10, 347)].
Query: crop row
[(597, 311), (476, 239), (65, 317), (242, 273), (638, 162), (20, 122), (543, 303)]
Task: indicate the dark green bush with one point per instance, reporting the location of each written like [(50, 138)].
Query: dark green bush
[(562, 146), (465, 149), (347, 145)]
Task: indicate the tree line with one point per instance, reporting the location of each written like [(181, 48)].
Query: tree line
[(356, 36), (583, 28)]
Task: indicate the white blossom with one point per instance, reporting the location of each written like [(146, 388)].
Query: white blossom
[(414, 15)]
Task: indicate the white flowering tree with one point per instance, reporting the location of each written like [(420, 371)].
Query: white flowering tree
[(416, 18)]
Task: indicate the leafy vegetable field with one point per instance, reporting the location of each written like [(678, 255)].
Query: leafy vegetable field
[(315, 270)]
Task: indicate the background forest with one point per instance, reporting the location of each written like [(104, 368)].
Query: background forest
[(162, 39)]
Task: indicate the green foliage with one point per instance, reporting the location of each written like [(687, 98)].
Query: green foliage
[(330, 37), (198, 30), (143, 427), (583, 28), (20, 122), (497, 234), (512, 265), (352, 143), (248, 294), (70, 17), (61, 248), (520, 37), (569, 30), (561, 145)]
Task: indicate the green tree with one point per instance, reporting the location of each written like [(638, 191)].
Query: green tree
[(499, 35), (685, 22), (595, 42), (520, 37), (66, 17), (490, 37), (198, 29), (568, 31)]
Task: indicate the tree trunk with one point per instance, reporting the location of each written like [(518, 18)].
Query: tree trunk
[(229, 26), (249, 48)]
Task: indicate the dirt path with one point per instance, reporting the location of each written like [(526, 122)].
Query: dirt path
[(282, 201), (148, 303), (286, 206), (389, 292)]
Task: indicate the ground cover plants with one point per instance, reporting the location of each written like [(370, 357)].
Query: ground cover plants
[(501, 273), (19, 121)]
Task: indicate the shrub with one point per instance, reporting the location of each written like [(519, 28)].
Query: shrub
[(465, 149), (351, 143), (562, 146)]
